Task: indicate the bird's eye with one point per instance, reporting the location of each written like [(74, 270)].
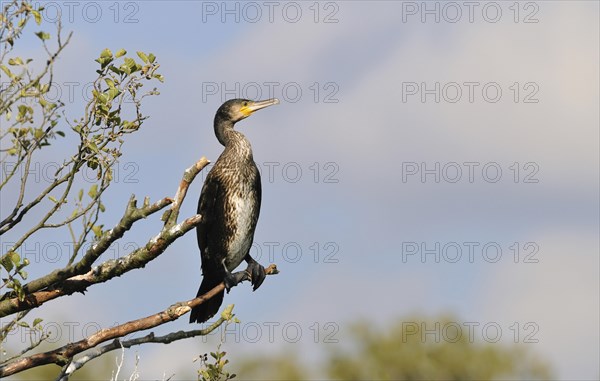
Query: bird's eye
[(245, 104)]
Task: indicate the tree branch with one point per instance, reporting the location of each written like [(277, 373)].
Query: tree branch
[(77, 277), (132, 214), (63, 355), (149, 338), (189, 175)]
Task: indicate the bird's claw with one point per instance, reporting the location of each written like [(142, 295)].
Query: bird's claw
[(257, 274), (232, 280)]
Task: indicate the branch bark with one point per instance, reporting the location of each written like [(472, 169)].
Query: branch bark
[(63, 355), (102, 273), (149, 338), (77, 277)]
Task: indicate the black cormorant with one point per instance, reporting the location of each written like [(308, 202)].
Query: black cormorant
[(229, 204)]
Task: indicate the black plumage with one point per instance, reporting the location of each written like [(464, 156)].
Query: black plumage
[(229, 204)]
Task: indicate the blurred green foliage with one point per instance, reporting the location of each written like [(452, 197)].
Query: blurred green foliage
[(398, 352)]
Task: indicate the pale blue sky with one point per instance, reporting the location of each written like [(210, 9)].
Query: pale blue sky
[(366, 142)]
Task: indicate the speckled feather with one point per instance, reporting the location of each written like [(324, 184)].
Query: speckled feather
[(230, 205)]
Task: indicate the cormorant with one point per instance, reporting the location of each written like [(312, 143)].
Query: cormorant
[(229, 204)]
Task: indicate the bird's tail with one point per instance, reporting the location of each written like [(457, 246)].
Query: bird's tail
[(210, 307)]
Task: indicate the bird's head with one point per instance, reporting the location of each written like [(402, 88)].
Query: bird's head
[(235, 110)]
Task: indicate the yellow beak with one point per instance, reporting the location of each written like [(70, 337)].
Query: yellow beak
[(255, 106)]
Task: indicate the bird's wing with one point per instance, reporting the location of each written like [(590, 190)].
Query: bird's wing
[(257, 187), (211, 207)]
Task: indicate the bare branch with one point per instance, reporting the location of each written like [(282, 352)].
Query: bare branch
[(34, 297), (18, 212), (170, 217), (77, 277), (132, 214), (63, 355), (149, 338)]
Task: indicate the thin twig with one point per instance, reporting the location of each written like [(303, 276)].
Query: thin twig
[(149, 338), (64, 354), (77, 277)]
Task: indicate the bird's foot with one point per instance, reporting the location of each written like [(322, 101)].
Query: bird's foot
[(233, 279), (257, 274)]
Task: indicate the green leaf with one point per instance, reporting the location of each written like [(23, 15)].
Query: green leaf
[(130, 62), (143, 56), (97, 230), (102, 109), (53, 199), (125, 69), (120, 53), (37, 16), (115, 69), (110, 83), (37, 321), (93, 191), (131, 65), (106, 53), (80, 195), (7, 71), (103, 62), (43, 35), (112, 93), (15, 258), (60, 133), (15, 61), (102, 98), (7, 263), (23, 110), (38, 133), (23, 274), (105, 58), (93, 147), (127, 125), (151, 57)]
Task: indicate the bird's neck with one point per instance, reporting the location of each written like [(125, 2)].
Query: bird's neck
[(222, 128), (232, 139)]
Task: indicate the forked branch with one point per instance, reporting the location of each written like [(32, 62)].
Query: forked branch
[(63, 355), (79, 276)]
